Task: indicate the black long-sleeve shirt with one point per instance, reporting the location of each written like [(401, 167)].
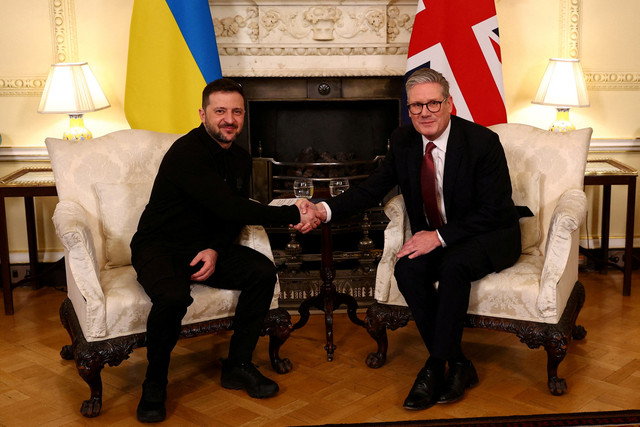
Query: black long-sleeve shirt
[(200, 200)]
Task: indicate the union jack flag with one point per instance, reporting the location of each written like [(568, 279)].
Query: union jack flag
[(460, 39)]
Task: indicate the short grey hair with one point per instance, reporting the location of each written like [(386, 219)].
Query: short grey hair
[(427, 75)]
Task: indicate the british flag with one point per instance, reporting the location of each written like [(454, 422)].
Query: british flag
[(460, 39)]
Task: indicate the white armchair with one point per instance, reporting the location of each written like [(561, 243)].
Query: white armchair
[(539, 297), (103, 185)]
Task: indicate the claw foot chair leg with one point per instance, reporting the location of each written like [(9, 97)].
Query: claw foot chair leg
[(378, 319), (278, 326)]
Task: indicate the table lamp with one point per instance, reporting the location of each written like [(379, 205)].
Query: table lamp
[(562, 86), (72, 88)]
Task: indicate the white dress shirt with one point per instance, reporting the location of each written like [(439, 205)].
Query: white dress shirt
[(438, 155)]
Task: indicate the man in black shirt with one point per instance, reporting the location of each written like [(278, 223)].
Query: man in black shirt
[(198, 205)]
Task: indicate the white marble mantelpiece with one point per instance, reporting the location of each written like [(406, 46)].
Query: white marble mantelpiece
[(293, 38)]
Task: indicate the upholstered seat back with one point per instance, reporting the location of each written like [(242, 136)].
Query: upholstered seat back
[(123, 157), (543, 165)]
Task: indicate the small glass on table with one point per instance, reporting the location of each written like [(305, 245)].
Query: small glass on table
[(303, 188), (338, 186)]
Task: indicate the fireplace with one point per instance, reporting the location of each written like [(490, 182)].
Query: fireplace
[(317, 127), (321, 128)]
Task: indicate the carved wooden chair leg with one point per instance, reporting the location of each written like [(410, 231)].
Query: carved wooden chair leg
[(278, 326), (556, 348), (378, 319), (92, 376)]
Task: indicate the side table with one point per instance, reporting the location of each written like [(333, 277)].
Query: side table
[(608, 172), (27, 183), (328, 299)]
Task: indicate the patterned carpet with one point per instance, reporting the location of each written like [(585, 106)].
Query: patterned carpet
[(616, 418)]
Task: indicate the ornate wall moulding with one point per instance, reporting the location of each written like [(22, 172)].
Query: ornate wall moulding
[(64, 45), (266, 38), (570, 39)]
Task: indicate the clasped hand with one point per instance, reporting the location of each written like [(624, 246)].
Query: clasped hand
[(311, 216)]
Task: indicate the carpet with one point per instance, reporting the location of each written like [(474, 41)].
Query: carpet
[(615, 418)]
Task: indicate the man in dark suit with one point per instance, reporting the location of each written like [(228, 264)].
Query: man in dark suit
[(198, 205), (473, 228)]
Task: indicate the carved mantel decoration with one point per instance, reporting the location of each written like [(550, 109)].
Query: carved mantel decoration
[(304, 38)]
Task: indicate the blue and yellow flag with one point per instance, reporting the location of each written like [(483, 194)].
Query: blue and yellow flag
[(172, 56)]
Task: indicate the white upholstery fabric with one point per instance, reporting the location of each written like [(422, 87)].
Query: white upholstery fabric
[(103, 185), (118, 224), (545, 166)]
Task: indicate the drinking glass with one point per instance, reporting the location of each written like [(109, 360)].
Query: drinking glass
[(338, 186), (303, 188)]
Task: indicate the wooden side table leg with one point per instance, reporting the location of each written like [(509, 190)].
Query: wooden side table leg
[(328, 272), (628, 240), (4, 260), (32, 238), (606, 221)]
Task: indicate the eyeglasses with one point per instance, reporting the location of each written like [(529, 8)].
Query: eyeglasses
[(432, 106)]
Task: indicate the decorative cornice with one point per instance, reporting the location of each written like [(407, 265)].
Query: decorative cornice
[(63, 30), (570, 24), (570, 39), (301, 50), (612, 80), (64, 45), (22, 86)]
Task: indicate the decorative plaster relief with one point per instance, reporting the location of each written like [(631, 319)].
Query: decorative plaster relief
[(262, 37), (571, 28), (64, 45)]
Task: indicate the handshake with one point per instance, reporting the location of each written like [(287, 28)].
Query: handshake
[(311, 215)]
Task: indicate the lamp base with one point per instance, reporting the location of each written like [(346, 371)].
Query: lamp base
[(76, 131), (562, 123)]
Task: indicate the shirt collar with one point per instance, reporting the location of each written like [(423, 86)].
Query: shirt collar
[(441, 141)]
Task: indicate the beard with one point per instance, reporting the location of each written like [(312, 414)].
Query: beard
[(220, 137)]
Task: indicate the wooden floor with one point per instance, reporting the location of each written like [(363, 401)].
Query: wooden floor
[(38, 388)]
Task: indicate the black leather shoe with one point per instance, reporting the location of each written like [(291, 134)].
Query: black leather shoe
[(245, 376), (462, 375), (425, 391), (151, 407)]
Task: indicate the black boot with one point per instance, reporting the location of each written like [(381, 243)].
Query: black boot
[(245, 376), (151, 407)]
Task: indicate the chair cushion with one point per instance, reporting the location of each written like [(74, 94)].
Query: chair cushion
[(526, 192), (118, 224), (512, 293), (128, 305)]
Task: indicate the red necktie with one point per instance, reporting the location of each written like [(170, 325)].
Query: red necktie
[(428, 184)]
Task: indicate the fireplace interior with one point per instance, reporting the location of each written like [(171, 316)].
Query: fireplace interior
[(321, 128)]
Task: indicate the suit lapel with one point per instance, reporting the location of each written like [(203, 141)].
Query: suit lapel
[(455, 151)]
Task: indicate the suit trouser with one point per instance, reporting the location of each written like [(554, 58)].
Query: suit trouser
[(166, 279), (440, 313)]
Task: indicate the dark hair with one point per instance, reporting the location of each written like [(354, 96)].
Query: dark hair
[(427, 75), (220, 85)]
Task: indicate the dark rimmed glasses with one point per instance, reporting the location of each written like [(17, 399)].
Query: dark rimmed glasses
[(433, 106)]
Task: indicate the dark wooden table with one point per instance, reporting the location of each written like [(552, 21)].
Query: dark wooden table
[(27, 183), (328, 299), (608, 172)]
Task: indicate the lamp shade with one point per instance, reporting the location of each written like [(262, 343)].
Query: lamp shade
[(73, 89), (563, 85)]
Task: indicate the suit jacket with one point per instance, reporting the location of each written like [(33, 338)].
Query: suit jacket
[(476, 189)]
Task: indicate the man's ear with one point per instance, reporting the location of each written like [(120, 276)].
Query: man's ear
[(201, 112)]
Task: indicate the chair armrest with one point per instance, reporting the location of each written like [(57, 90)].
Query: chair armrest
[(83, 277), (397, 232), (567, 217)]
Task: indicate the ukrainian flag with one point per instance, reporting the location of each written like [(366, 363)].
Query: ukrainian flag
[(172, 56)]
